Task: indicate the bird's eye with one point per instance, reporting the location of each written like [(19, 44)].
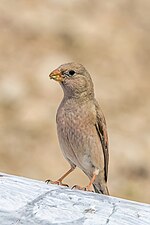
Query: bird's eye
[(71, 72)]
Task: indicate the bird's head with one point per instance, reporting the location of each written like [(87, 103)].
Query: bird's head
[(74, 79)]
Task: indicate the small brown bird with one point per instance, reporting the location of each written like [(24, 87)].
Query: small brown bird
[(81, 126)]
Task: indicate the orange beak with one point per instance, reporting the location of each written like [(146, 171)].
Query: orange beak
[(56, 75)]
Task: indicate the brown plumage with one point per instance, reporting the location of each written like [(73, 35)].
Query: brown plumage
[(81, 126)]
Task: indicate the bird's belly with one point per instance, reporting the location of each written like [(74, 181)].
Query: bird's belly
[(67, 145), (76, 145)]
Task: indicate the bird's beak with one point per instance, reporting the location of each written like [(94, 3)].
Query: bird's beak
[(56, 75)]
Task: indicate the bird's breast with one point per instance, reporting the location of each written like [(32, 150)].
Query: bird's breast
[(75, 119), (75, 126)]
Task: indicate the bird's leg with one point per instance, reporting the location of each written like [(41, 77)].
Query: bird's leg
[(87, 188), (59, 181)]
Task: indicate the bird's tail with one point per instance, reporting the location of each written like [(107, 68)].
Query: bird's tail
[(101, 190)]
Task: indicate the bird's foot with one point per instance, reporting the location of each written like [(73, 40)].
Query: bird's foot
[(58, 182), (77, 187)]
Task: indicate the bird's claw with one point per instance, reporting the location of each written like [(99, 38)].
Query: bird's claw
[(78, 187), (48, 181), (58, 182), (81, 188)]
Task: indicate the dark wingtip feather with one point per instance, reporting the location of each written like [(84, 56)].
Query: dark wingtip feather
[(106, 192)]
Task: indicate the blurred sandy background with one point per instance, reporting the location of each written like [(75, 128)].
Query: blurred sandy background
[(112, 40)]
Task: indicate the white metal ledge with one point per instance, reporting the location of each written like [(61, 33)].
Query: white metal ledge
[(25, 201)]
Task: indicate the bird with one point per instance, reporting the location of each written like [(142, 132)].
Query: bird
[(81, 127)]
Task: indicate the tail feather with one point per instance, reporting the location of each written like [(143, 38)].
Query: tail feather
[(101, 190)]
